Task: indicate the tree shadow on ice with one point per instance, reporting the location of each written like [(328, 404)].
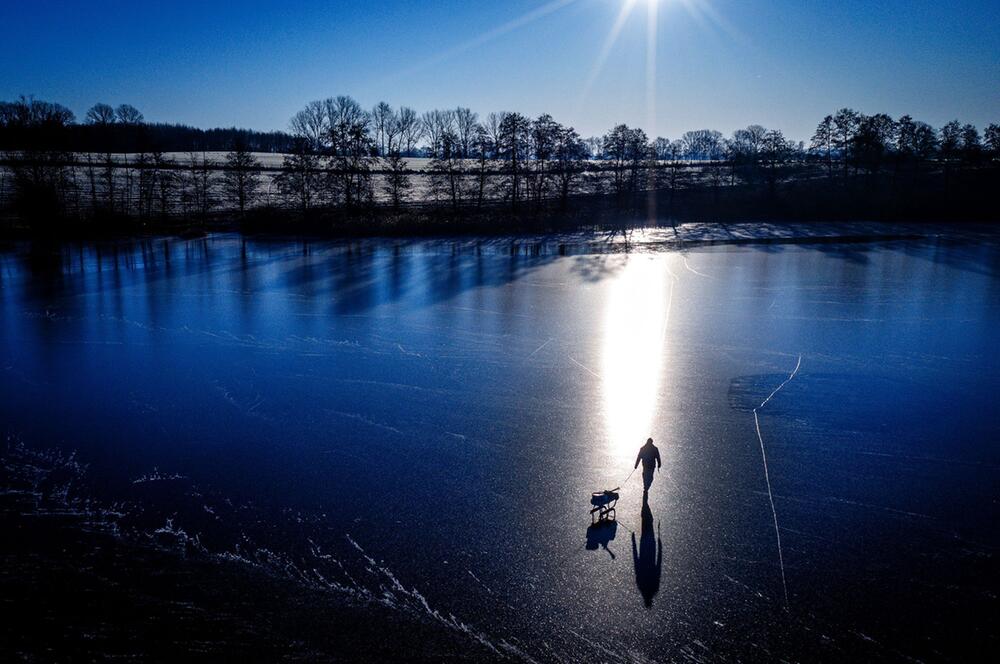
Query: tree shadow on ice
[(356, 282)]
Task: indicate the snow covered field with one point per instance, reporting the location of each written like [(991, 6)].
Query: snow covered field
[(270, 160)]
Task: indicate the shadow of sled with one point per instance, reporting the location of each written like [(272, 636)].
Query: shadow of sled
[(600, 533)]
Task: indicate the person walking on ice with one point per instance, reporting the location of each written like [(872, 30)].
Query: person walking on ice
[(650, 457)]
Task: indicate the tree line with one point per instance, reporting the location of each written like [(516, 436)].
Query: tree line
[(851, 141), (111, 165), (339, 154), (510, 157), (26, 123)]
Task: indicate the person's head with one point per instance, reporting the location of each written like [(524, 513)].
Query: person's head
[(649, 441)]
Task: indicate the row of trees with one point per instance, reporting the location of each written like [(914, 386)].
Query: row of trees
[(872, 142), (533, 158), (120, 175), (847, 137), (340, 154), (145, 186), (27, 123), (506, 155)]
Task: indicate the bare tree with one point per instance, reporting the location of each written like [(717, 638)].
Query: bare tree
[(513, 147), (992, 140), (311, 124), (446, 167), (717, 166), (128, 114), (391, 132), (873, 138), (951, 141), (109, 172), (627, 149), (382, 116), (485, 151), (436, 124), (661, 147), (568, 152), (100, 114), (845, 127), (40, 176), (299, 179), (146, 186), (595, 145), (639, 153), (972, 147), (615, 150), (544, 136), (822, 142), (904, 146), (745, 150), (676, 168), (199, 191), (125, 191), (701, 143), (776, 151), (410, 129), (914, 141), (350, 165), (242, 176), (466, 123), (344, 116), (492, 126), (397, 179), (166, 181)]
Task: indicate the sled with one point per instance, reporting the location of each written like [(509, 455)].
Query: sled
[(604, 505)]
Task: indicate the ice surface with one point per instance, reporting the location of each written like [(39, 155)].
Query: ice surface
[(420, 425)]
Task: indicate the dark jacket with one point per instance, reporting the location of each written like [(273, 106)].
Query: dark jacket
[(650, 457)]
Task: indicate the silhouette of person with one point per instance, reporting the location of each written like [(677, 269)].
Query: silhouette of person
[(647, 558), (650, 457)]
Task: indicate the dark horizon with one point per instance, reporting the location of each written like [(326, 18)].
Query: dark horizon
[(69, 116)]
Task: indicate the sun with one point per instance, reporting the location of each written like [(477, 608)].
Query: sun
[(652, 27)]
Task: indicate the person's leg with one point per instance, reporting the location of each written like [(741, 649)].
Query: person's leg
[(647, 478)]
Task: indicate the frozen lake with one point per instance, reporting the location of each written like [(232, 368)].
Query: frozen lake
[(412, 430)]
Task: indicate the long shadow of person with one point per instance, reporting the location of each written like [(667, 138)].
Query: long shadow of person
[(647, 558)]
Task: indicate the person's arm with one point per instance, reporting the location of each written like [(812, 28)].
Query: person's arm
[(637, 457), (659, 464)]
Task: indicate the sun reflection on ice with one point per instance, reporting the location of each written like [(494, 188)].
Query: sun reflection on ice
[(635, 323)]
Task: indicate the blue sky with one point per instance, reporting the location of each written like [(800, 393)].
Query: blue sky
[(718, 63)]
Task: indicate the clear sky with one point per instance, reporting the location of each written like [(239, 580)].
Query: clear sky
[(718, 64)]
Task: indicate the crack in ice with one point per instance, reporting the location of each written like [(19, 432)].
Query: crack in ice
[(541, 347), (767, 478), (583, 366), (670, 306), (692, 270)]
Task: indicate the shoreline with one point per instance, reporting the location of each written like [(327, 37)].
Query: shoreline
[(679, 237), (931, 199)]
